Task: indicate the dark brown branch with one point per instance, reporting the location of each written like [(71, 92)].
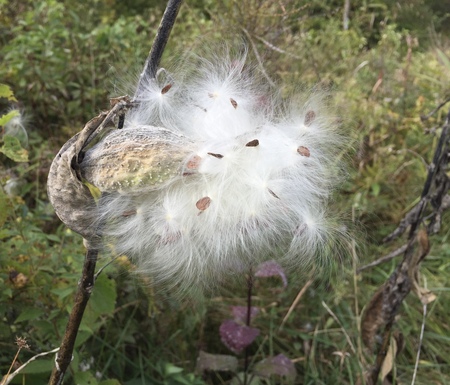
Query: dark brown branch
[(386, 303), (162, 36), (85, 287)]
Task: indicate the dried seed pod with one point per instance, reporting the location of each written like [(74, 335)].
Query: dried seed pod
[(135, 160), (71, 199)]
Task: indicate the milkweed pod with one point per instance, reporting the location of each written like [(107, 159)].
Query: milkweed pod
[(135, 160)]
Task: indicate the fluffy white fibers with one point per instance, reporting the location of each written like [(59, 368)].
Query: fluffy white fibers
[(250, 175)]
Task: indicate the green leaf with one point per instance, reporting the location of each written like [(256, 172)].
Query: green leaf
[(4, 205), (6, 92), (39, 366), (171, 369), (216, 362), (30, 313), (7, 117), (85, 378), (445, 60), (279, 365), (110, 382), (54, 238), (63, 292), (13, 150), (103, 298)]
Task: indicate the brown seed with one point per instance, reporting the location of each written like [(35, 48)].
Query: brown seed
[(273, 194), (253, 143), (166, 89), (233, 103), (309, 117), (304, 151), (128, 213), (218, 156), (193, 163), (203, 203), (211, 95)]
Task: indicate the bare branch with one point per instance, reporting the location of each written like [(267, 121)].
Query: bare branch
[(381, 260)]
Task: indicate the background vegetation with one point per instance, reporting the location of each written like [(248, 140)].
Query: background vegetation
[(63, 60)]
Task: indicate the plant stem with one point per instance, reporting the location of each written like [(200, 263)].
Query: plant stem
[(85, 287), (5, 379), (248, 320), (162, 36)]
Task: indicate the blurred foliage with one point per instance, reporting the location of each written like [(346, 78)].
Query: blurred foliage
[(63, 59)]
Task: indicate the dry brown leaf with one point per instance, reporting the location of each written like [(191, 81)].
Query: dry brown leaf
[(373, 318), (389, 360)]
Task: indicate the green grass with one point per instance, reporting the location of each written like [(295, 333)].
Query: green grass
[(138, 337)]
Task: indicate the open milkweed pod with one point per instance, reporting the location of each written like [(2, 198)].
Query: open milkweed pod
[(71, 199), (234, 177)]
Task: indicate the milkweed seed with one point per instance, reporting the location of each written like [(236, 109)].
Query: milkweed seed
[(304, 151), (309, 117), (219, 156), (253, 143), (194, 162), (203, 203), (233, 103), (273, 194), (166, 89)]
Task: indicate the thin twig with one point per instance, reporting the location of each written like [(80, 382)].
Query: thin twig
[(381, 260), (347, 337), (428, 116), (85, 287), (422, 329), (258, 58), (295, 303), (104, 267), (19, 369)]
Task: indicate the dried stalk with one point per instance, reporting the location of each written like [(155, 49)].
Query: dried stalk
[(75, 147), (386, 303)]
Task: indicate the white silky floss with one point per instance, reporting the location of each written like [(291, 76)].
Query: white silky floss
[(252, 184)]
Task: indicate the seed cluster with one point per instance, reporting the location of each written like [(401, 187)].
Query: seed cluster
[(235, 176)]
